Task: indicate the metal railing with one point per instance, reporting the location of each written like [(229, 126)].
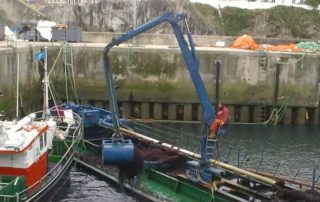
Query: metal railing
[(41, 185)]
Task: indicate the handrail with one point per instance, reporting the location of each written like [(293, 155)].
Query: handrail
[(45, 180)]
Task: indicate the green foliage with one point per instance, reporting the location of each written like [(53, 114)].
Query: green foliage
[(236, 19), (7, 105), (313, 3), (208, 16), (295, 19)]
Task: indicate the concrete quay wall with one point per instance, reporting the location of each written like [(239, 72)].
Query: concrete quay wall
[(154, 81), (170, 39), (18, 64)]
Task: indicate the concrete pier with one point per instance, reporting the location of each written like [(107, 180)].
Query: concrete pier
[(317, 117), (300, 117), (200, 112), (158, 80), (157, 113), (99, 104), (287, 119), (145, 110), (126, 109), (244, 114), (172, 111), (187, 115), (231, 113)]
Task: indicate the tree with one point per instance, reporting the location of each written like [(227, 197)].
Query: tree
[(313, 3)]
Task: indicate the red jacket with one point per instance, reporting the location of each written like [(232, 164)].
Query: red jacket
[(223, 114)]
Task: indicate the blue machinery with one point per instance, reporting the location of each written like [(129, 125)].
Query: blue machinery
[(189, 54)]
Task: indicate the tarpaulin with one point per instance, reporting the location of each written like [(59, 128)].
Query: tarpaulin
[(45, 29), (245, 42), (282, 47), (9, 34)]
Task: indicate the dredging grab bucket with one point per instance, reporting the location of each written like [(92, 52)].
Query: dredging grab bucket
[(117, 152)]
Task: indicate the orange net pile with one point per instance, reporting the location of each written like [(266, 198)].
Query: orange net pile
[(245, 42), (282, 47), (248, 43)]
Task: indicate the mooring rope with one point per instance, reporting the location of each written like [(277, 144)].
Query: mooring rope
[(277, 114)]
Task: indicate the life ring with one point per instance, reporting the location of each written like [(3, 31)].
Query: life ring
[(27, 128), (32, 127)]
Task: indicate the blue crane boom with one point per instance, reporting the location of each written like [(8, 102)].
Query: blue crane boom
[(189, 56)]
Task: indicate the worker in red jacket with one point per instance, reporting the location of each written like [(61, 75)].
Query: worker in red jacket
[(222, 118)]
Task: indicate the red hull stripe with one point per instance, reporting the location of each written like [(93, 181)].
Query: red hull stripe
[(34, 173), (41, 131)]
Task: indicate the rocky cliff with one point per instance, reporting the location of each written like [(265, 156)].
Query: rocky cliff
[(121, 15)]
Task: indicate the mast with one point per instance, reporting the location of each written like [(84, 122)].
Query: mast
[(18, 75), (46, 85)]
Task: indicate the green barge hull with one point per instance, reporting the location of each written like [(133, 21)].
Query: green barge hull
[(152, 184), (158, 185)]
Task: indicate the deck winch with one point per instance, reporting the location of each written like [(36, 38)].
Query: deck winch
[(117, 151)]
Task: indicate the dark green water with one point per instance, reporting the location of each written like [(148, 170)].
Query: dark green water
[(86, 187), (287, 149), (292, 148), (284, 150)]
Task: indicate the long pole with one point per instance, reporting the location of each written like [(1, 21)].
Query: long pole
[(276, 86), (319, 103), (313, 178), (46, 84), (197, 156), (65, 69), (18, 79), (218, 65), (134, 14)]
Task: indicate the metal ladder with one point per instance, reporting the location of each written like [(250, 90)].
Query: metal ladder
[(210, 147), (213, 145), (263, 68), (69, 71), (261, 113)]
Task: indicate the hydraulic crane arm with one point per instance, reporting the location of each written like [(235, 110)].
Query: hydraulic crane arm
[(188, 54)]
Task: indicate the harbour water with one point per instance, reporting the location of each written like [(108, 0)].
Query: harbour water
[(291, 151), (83, 186)]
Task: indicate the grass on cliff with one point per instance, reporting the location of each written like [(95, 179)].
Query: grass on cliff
[(236, 19), (297, 20), (207, 15)]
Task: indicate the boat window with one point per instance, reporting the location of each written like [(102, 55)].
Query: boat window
[(41, 142), (45, 139)]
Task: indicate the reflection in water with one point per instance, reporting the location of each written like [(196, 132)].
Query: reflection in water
[(284, 149), (85, 187), (293, 148)]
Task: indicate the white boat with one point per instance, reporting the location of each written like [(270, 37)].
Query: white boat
[(36, 152)]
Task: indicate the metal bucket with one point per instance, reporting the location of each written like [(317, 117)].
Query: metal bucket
[(118, 152)]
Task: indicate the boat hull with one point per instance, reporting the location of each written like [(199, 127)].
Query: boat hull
[(52, 188), (172, 179), (42, 180), (31, 177)]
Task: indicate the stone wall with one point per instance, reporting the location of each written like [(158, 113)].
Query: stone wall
[(158, 74), (17, 11), (20, 60), (170, 39)]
